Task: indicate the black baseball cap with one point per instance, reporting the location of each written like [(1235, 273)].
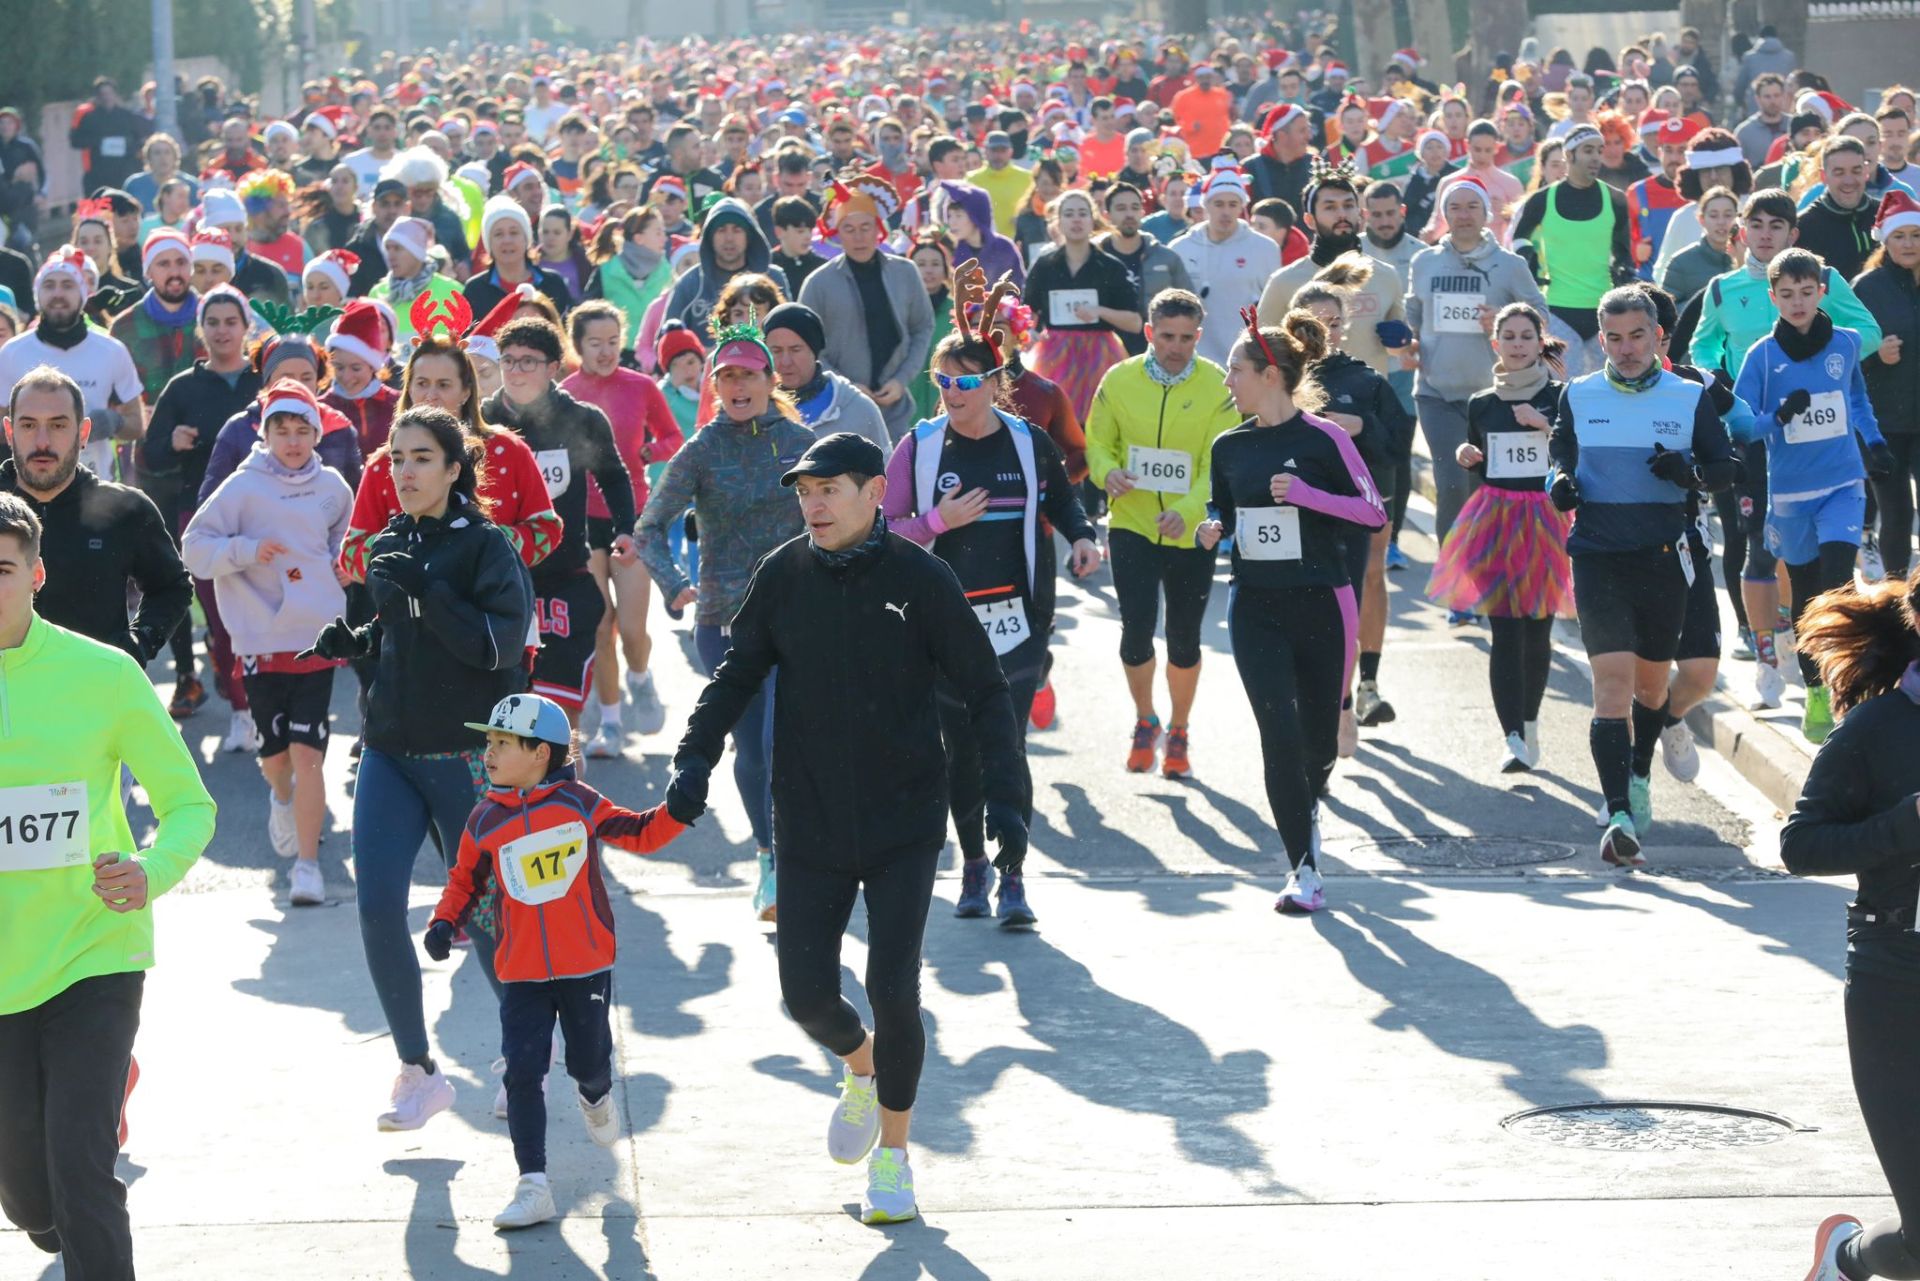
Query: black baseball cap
[(836, 455)]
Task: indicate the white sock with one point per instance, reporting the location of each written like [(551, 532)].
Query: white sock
[(610, 714), (642, 680), (538, 1176), (864, 1082), (277, 802)]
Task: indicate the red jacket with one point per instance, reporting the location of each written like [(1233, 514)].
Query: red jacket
[(371, 416), (541, 850)]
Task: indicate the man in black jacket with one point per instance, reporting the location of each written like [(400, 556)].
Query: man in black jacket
[(860, 622), (1839, 225), (98, 536)]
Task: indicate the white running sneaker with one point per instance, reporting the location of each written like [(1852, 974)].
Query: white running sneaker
[(855, 1126), (309, 887), (1304, 891), (1769, 684), (889, 1197), (1515, 760), (242, 734), (1678, 752), (650, 715), (1827, 1240), (417, 1098), (603, 1125), (280, 827), (532, 1203), (605, 745)]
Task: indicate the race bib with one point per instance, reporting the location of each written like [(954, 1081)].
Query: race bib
[(556, 469), (1457, 313), (1825, 419), (1164, 471), (1269, 533), (540, 867), (115, 147), (1062, 305), (1516, 455), (1686, 561), (43, 826), (1005, 622)]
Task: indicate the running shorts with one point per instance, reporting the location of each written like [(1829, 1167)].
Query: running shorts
[(289, 707), (1796, 529), (600, 533), (569, 609), (1631, 602)]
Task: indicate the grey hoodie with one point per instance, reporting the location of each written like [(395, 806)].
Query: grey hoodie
[(1453, 366), (1768, 55), (695, 293)]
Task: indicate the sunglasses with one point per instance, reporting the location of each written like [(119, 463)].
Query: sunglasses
[(965, 382)]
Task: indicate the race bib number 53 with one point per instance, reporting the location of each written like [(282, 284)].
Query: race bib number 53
[(1269, 533), (541, 867), (43, 826)]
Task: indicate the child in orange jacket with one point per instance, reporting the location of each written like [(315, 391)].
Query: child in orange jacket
[(536, 836)]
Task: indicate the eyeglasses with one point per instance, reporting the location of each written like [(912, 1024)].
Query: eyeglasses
[(523, 364), (965, 382)]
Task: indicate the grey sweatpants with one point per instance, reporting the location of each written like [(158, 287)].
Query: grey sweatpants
[(1444, 422)]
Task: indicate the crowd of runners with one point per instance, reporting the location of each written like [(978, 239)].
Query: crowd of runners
[(853, 348)]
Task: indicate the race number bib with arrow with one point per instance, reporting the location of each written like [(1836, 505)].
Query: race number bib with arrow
[(541, 866), (1516, 455), (43, 826), (1269, 533), (1164, 471)]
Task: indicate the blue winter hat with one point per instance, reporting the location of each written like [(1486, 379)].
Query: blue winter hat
[(529, 716)]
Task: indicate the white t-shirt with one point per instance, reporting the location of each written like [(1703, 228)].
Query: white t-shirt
[(1227, 276), (100, 364), (542, 121), (366, 167)]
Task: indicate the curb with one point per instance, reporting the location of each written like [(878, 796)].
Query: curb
[(1758, 752)]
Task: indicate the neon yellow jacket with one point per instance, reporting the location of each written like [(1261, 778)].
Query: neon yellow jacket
[(1129, 408), (71, 711)]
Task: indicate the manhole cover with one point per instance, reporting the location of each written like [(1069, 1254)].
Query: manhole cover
[(1645, 1126), (1437, 849)]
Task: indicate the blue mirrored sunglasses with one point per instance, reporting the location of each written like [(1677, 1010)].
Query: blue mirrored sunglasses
[(965, 382)]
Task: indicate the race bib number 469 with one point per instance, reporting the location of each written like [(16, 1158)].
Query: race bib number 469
[(541, 866), (43, 826), (1825, 419)]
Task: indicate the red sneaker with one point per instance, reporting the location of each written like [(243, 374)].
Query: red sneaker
[(1173, 761), (1043, 707), (1140, 758)]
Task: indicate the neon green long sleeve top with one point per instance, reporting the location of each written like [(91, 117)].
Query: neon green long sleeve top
[(71, 712), (1129, 408)]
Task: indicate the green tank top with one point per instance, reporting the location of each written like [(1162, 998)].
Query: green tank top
[(1577, 256)]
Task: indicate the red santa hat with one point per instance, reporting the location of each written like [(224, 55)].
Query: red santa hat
[(1830, 106), (1897, 210), (1651, 121), (328, 120), (212, 244), (1409, 59), (483, 340), (1473, 186), (289, 396), (159, 241), (67, 260), (361, 331), (1281, 117), (336, 265), (1390, 110), (1229, 180)]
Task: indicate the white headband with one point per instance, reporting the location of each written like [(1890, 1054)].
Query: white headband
[(1726, 157)]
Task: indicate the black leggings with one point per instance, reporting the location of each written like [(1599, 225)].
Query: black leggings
[(1833, 569), (965, 797), (1142, 569), (1291, 647), (1733, 535), (1521, 660), (815, 905), (1402, 492), (1883, 1043), (1896, 503)]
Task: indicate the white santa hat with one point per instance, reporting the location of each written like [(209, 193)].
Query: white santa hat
[(504, 208), (1227, 180), (67, 260), (361, 331), (415, 235), (213, 245), (279, 129), (159, 241), (220, 207)]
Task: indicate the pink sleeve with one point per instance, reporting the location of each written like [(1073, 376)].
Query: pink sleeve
[(899, 501), (1364, 508)]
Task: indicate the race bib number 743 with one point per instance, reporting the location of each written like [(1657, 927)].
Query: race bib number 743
[(43, 826)]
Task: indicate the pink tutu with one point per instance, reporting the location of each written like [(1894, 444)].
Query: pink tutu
[(1505, 557), (1076, 359)]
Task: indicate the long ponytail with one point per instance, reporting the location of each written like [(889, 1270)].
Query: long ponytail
[(1862, 638)]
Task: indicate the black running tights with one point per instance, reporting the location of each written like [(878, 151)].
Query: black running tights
[(1291, 647), (1896, 502), (815, 905), (1517, 670), (1833, 569), (1883, 1042), (1733, 537)]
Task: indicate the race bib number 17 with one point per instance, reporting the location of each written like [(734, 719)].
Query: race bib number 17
[(43, 826), (540, 867)]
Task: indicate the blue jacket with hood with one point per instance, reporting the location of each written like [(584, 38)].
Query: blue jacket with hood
[(696, 292)]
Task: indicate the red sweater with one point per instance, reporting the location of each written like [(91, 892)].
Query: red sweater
[(644, 429), (371, 416)]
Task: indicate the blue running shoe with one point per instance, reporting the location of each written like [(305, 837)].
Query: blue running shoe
[(976, 880), (1396, 559), (1014, 912)]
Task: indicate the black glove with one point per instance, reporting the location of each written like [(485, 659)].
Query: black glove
[(403, 569), (1880, 464), (1565, 494), (439, 940), (337, 640), (1005, 825), (1796, 403), (1671, 466), (687, 791)]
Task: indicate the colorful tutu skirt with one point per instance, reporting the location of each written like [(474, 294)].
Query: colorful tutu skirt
[(1506, 557), (1076, 359)]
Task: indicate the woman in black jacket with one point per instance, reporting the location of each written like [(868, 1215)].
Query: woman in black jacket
[(1367, 408), (1890, 287), (1859, 815), (454, 609)]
